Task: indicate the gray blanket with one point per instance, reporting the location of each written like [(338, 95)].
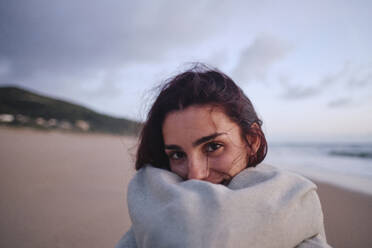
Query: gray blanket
[(261, 207)]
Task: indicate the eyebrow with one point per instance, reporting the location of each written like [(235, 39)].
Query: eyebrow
[(196, 142)]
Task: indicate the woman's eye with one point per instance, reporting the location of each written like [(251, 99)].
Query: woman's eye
[(176, 155), (211, 147)]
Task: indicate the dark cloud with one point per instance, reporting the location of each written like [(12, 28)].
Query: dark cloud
[(300, 91), (349, 79), (74, 49), (296, 91), (341, 102), (256, 60), (361, 79), (293, 92), (73, 38)]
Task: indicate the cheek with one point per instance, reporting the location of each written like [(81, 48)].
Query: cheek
[(226, 162), (179, 169), (222, 163)]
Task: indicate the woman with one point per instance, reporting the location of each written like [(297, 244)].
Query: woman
[(200, 180)]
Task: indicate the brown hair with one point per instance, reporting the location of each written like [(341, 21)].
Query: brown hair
[(197, 86)]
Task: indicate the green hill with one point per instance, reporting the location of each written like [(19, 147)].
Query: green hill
[(19, 107)]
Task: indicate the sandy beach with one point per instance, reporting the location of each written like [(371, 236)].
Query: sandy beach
[(68, 190), (347, 216)]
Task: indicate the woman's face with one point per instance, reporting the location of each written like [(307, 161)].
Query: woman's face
[(203, 143)]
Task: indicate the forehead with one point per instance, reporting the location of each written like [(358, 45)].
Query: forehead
[(195, 122)]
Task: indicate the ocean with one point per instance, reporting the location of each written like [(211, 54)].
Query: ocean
[(344, 164)]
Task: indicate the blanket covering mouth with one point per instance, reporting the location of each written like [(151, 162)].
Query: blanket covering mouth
[(261, 207)]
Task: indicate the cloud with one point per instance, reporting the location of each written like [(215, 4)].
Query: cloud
[(350, 79), (64, 47), (296, 91), (4, 67), (341, 102), (361, 78), (80, 37), (106, 88), (300, 92), (257, 59)]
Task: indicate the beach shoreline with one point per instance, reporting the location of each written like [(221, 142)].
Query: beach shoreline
[(69, 190)]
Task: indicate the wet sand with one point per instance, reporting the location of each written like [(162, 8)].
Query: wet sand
[(347, 216), (68, 190)]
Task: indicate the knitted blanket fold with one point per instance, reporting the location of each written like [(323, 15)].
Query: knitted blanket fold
[(261, 207)]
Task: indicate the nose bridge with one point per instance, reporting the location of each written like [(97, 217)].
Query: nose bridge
[(197, 168)]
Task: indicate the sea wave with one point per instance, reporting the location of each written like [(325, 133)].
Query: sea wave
[(357, 154)]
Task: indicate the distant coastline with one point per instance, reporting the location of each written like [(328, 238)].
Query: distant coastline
[(23, 108)]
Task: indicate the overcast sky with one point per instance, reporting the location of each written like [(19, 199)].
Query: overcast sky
[(306, 65)]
